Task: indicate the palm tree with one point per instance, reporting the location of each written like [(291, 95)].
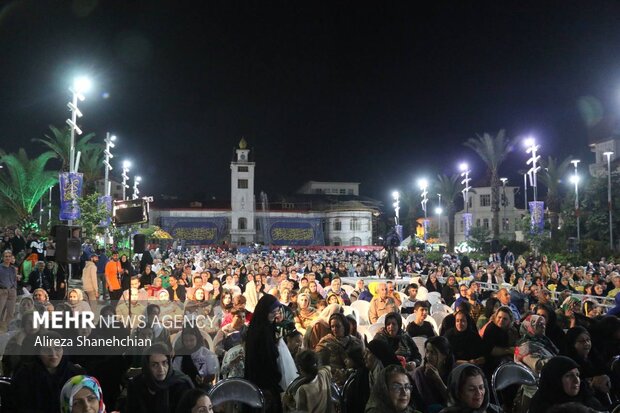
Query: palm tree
[(24, 181), (91, 165), (449, 188), (493, 151), (60, 144), (551, 177)]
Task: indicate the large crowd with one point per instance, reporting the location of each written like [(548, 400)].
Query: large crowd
[(314, 330)]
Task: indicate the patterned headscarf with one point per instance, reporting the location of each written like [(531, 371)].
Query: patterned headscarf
[(528, 326), (74, 385)]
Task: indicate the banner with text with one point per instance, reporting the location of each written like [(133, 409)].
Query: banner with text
[(294, 231), (537, 213), (196, 231), (106, 201), (70, 192), (467, 221)]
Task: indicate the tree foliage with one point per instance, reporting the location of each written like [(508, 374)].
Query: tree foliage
[(493, 151), (23, 181), (92, 213), (60, 144)]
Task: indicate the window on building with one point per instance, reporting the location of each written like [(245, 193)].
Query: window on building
[(119, 187), (343, 191), (478, 222), (243, 169), (506, 224), (241, 241), (242, 223), (485, 200), (355, 225), (337, 225), (318, 191), (242, 183), (349, 192), (257, 224), (485, 223), (337, 242), (462, 225), (355, 241), (470, 201)]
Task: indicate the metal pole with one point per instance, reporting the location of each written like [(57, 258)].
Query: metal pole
[(575, 162), (439, 218), (611, 235), (73, 120), (49, 210), (525, 191)]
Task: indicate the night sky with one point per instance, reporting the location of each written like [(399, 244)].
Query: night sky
[(377, 94)]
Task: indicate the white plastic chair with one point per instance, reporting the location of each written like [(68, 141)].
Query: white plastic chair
[(433, 323), (437, 318), (419, 342), (422, 294), (361, 307), (348, 288), (373, 330), (433, 297), (348, 310), (440, 308)]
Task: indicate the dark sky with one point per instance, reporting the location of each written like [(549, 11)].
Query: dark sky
[(329, 90)]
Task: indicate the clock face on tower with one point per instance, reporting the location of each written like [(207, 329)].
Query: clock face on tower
[(242, 157)]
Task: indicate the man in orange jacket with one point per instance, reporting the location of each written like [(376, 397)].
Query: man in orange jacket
[(112, 270)]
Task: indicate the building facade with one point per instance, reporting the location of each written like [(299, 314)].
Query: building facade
[(318, 214)]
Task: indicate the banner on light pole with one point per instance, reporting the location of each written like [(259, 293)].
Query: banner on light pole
[(70, 192), (537, 214)]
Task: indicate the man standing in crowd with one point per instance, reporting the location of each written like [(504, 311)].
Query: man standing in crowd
[(8, 288), (89, 281), (113, 270), (101, 264)]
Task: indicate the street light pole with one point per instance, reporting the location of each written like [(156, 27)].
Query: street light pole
[(136, 192), (423, 184), (504, 200), (575, 180), (533, 148), (396, 205), (107, 155), (467, 219), (126, 165), (439, 210), (611, 236)]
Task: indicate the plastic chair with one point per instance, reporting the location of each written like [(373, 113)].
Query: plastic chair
[(508, 374), (361, 307), (440, 308), (422, 293), (381, 320), (433, 323), (434, 298), (419, 342), (437, 318), (373, 330), (348, 310), (237, 390), (348, 288)]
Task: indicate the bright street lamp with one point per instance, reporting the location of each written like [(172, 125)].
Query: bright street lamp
[(533, 148), (80, 86), (611, 236), (575, 180)]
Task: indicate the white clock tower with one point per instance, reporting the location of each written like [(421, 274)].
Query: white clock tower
[(242, 229)]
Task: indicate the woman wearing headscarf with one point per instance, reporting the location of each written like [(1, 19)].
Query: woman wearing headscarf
[(37, 384), (432, 284), (76, 301), (261, 352), (560, 383), (468, 391), (81, 394), (497, 340), (431, 378), (253, 293), (566, 312), (12, 358), (334, 346), (534, 349), (194, 359), (320, 326), (450, 290), (41, 296), (127, 271), (391, 393), (305, 314), (159, 387), (465, 341), (552, 329), (399, 341), (591, 366)]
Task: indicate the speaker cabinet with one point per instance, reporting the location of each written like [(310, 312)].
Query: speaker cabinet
[(139, 243), (68, 250)]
